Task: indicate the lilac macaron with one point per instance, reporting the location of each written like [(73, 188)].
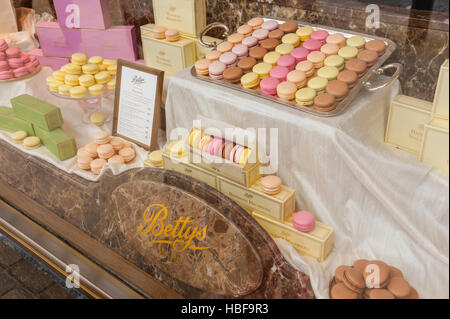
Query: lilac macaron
[(250, 42), (304, 221), (229, 59), (270, 25), (288, 61), (312, 45), (260, 34), (240, 50), (320, 35), (216, 69), (269, 86), (300, 54), (279, 72)]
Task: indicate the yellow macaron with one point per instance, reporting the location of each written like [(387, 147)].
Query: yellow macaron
[(262, 69), (109, 62), (291, 38), (356, 41), (87, 80), (53, 86), (90, 68), (59, 75), (103, 77), (272, 58), (305, 97), (336, 61), (284, 48), (111, 84), (112, 69), (250, 80), (97, 89), (78, 92), (72, 68), (95, 60), (64, 89), (102, 67), (72, 80), (79, 59), (304, 33), (18, 137), (97, 119), (328, 72), (31, 143), (318, 84), (348, 52)]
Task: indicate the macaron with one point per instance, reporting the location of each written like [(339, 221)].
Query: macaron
[(338, 89), (270, 25), (216, 69), (236, 153), (244, 157), (102, 137), (194, 137), (12, 52), (284, 48), (3, 56), (31, 143), (112, 69), (4, 66), (256, 23), (339, 273), (227, 150), (233, 74), (304, 33), (305, 97), (269, 86), (172, 35), (3, 45), (15, 63), (348, 52), (356, 41), (376, 45), (97, 89), (111, 84), (357, 66), (229, 59), (97, 166), (79, 59), (317, 58), (395, 272), (105, 151), (258, 53), (59, 75), (103, 77), (155, 159), (307, 67), (176, 149), (215, 147), (349, 77), (247, 64), (18, 137), (312, 45), (300, 54), (84, 162), (325, 102), (203, 145), (78, 92), (297, 77), (109, 62), (276, 34), (340, 291), (97, 118), (118, 160), (240, 50), (250, 80), (291, 38), (262, 69), (335, 61), (117, 143), (245, 30), (53, 86), (270, 44), (328, 72), (30, 67), (20, 72), (399, 287), (360, 264), (368, 56), (260, 34), (319, 35), (224, 47), (6, 75), (90, 68), (286, 90), (64, 89), (85, 80), (380, 293), (250, 42), (287, 61), (289, 27), (128, 154), (202, 66), (95, 60), (272, 58), (213, 56), (336, 38), (330, 49), (304, 221), (91, 149), (72, 68), (318, 84), (159, 32), (280, 73), (354, 280), (72, 80)]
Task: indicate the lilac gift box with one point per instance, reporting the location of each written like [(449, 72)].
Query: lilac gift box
[(89, 14), (58, 42), (54, 62)]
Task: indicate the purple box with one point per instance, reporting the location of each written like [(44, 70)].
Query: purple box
[(58, 42), (54, 62), (118, 42), (89, 14)]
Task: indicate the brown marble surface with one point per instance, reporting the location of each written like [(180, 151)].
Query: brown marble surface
[(230, 255), (421, 36)]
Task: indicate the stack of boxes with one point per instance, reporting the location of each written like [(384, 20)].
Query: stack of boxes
[(242, 184), (83, 26), (189, 18), (421, 127), (41, 119)]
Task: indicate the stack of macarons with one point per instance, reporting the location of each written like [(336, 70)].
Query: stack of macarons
[(104, 149), (163, 33), (370, 279), (84, 77), (218, 147), (15, 64), (266, 51)]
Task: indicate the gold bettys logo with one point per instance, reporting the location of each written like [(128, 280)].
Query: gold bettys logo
[(162, 53), (179, 235)]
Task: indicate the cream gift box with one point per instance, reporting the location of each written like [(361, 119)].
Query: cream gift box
[(440, 105), (435, 144), (84, 14), (316, 244), (407, 119), (8, 20), (187, 16)]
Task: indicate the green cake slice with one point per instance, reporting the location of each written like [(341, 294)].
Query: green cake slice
[(39, 113), (9, 122), (58, 141)]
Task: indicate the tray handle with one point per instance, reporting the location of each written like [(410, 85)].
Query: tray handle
[(398, 70), (207, 29)]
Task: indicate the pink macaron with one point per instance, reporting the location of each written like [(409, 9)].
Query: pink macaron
[(236, 153), (250, 42), (312, 45), (6, 75), (4, 66), (300, 54), (13, 52), (279, 73), (287, 61), (229, 59), (270, 25), (269, 86), (216, 69), (3, 45), (34, 60), (240, 50), (304, 221), (15, 63), (2, 56), (25, 58), (215, 147), (260, 34), (18, 73), (320, 35), (30, 67)]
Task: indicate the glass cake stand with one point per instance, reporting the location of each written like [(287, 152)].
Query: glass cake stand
[(91, 104), (29, 75)]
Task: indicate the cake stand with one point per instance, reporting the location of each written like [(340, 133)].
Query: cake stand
[(29, 75)]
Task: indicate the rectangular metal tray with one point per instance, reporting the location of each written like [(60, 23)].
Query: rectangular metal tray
[(341, 106)]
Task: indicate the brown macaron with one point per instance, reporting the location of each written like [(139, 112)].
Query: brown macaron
[(339, 89), (368, 56), (395, 272), (270, 44), (325, 102), (399, 287), (276, 34), (289, 27), (374, 280), (354, 280), (258, 53), (377, 46), (233, 74), (247, 64), (360, 265), (348, 77), (413, 294), (340, 291), (339, 273), (357, 66), (379, 294)]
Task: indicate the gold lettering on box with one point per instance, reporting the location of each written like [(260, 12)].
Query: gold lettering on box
[(417, 133)]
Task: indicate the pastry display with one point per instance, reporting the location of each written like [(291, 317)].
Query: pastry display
[(15, 64), (370, 280)]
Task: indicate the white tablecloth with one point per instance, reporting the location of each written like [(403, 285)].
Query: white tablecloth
[(382, 202)]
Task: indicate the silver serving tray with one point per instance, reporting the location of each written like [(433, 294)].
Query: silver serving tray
[(369, 81)]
